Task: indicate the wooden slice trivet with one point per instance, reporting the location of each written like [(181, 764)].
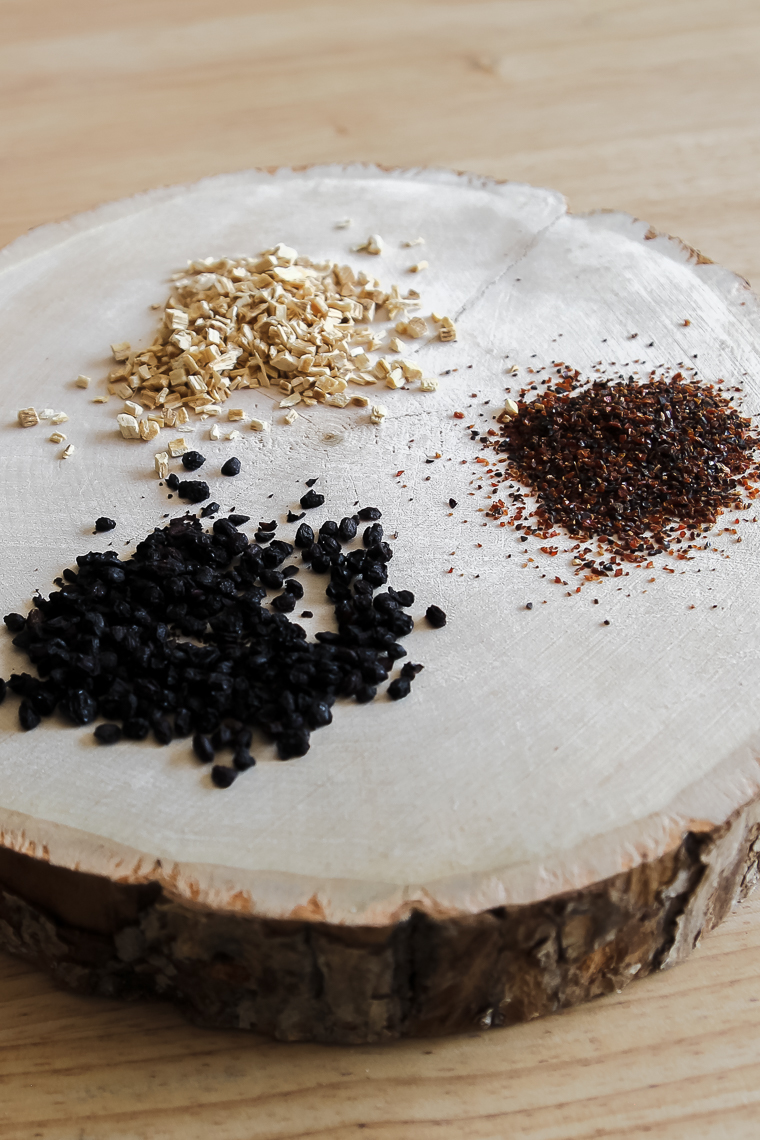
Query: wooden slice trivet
[(560, 805)]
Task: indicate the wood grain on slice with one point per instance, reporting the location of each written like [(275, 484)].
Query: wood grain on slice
[(559, 806)]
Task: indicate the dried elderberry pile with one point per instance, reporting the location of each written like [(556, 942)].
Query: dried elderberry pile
[(625, 461), (109, 642)]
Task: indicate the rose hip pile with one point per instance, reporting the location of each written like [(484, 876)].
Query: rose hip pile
[(107, 643), (625, 461)]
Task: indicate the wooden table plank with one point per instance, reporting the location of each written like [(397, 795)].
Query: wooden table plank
[(641, 105), (676, 1053)]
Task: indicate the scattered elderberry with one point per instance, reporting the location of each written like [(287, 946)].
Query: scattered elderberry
[(107, 734), (223, 777), (203, 748), (162, 729), (311, 499), (399, 688), (369, 514), (209, 509), (172, 481), (177, 639), (242, 759), (304, 536), (194, 490), (435, 616), (347, 529), (103, 524), (231, 467), (192, 460), (372, 534), (136, 728), (27, 717)]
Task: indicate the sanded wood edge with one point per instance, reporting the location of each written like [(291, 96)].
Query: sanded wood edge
[(302, 981)]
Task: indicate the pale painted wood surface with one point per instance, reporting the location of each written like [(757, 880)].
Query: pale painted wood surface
[(645, 107)]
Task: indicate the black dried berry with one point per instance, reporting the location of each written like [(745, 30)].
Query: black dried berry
[(373, 534), (27, 717), (107, 734), (14, 622), (272, 579), (329, 545), (435, 616), (307, 614), (347, 529), (399, 688), (243, 738), (410, 671), (103, 524), (203, 748), (80, 707), (242, 759), (452, 503), (211, 509), (328, 529), (284, 603), (162, 729), (293, 587), (238, 520), (369, 514), (304, 536), (268, 525), (183, 722), (404, 598), (223, 777), (172, 481), (192, 460), (194, 490), (263, 536), (223, 737), (311, 499), (231, 467), (365, 694), (277, 553), (292, 517), (311, 482), (136, 728), (290, 744)]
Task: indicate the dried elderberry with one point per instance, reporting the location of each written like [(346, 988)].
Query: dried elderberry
[(311, 500)]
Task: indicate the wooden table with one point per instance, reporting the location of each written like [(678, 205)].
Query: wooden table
[(644, 106)]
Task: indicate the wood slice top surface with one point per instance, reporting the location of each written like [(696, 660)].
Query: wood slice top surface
[(539, 751)]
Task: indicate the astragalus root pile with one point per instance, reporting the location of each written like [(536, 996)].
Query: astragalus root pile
[(273, 321)]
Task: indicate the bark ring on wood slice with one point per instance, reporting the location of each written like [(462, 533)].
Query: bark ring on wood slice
[(561, 807)]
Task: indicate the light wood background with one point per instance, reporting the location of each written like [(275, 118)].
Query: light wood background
[(649, 106)]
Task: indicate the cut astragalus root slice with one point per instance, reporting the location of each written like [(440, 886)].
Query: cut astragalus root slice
[(276, 320)]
